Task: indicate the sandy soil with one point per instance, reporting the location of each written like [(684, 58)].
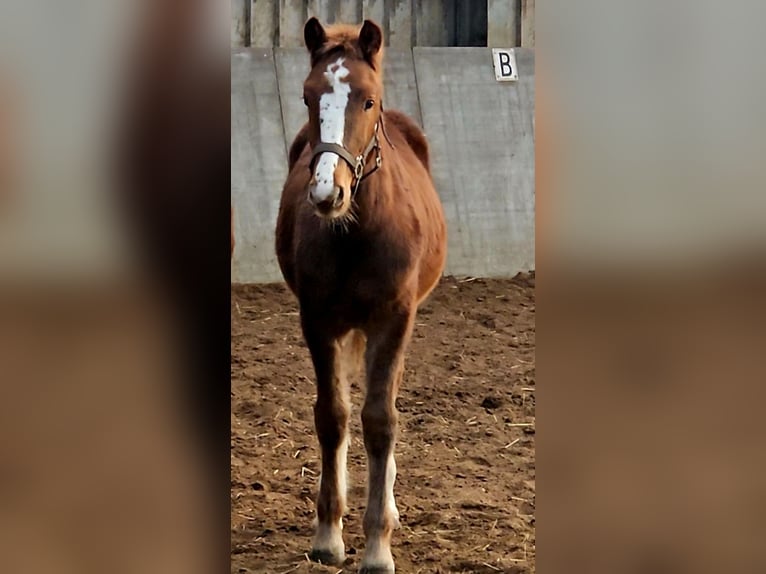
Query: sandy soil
[(466, 448)]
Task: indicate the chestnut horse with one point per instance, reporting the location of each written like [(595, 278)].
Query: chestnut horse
[(361, 241)]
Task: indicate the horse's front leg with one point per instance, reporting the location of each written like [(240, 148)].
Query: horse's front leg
[(331, 412), (387, 342)]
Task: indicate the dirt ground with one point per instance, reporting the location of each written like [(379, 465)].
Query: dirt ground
[(466, 447)]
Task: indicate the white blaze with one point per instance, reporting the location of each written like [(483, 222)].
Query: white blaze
[(332, 120)]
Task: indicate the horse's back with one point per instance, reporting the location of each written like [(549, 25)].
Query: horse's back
[(425, 204)]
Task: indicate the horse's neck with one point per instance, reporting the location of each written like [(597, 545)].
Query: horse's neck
[(374, 198)]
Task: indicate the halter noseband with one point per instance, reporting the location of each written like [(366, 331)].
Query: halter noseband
[(355, 163)]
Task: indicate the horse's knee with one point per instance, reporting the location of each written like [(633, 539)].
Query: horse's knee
[(331, 421), (379, 425)]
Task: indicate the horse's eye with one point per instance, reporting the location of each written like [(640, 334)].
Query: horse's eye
[(368, 104)]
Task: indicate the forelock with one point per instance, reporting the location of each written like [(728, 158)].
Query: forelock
[(343, 40)]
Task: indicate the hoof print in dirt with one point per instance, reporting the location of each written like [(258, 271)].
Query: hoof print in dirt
[(492, 403)]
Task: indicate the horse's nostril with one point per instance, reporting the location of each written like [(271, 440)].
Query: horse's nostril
[(339, 197)]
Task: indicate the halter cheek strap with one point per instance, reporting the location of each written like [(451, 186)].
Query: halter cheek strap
[(355, 163)]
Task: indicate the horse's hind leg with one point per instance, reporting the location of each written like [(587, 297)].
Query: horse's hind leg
[(331, 412), (385, 365)]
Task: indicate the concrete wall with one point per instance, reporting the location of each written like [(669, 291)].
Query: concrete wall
[(258, 163), (481, 134), (482, 148)]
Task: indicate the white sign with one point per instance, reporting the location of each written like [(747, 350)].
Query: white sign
[(505, 65)]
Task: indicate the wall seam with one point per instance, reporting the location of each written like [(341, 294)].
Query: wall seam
[(281, 105), (417, 90)]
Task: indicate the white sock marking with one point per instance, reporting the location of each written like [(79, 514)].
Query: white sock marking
[(332, 123), (342, 471), (377, 552), (390, 478)]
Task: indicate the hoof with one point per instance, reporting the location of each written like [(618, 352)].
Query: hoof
[(379, 566), (327, 557), (377, 558)]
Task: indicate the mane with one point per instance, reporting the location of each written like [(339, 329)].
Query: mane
[(344, 39)]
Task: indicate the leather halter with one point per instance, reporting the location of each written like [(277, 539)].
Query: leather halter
[(355, 163)]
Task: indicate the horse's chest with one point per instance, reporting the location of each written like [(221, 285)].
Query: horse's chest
[(353, 272)]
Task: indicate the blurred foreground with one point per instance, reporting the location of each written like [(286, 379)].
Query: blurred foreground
[(651, 267), (114, 330)]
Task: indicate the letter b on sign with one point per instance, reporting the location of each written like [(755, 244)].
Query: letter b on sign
[(505, 65)]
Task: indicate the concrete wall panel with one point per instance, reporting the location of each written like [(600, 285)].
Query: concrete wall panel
[(400, 84), (292, 69), (503, 23), (264, 14), (374, 10), (258, 166), (240, 21), (292, 17), (482, 147), (398, 23)]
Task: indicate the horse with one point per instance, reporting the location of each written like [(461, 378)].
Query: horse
[(361, 242)]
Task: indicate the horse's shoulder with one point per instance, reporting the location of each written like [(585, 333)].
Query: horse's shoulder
[(412, 134), (298, 145)]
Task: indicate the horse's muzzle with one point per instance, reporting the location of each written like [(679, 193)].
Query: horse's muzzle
[(326, 205)]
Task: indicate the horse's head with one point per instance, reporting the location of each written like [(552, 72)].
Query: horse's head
[(343, 93)]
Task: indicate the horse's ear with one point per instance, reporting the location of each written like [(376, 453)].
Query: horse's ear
[(370, 41), (314, 35)]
